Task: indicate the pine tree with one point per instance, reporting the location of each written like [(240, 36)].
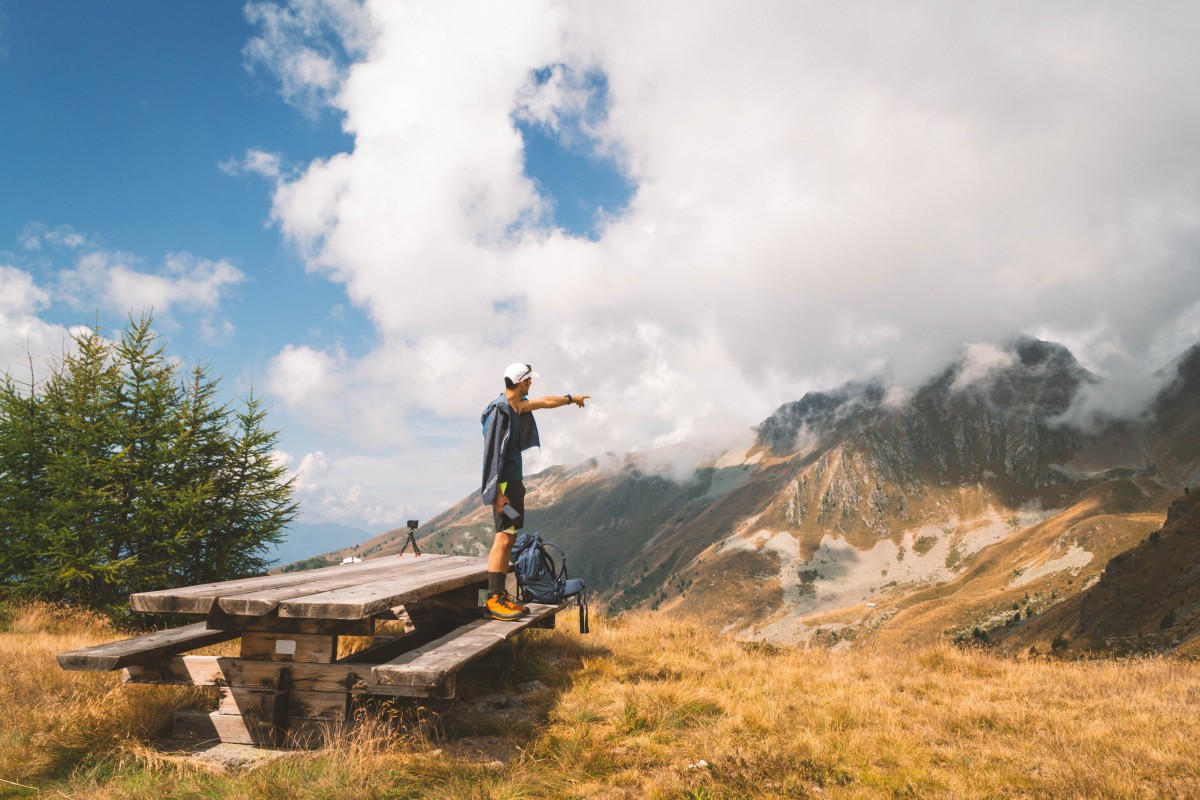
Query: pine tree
[(253, 500), (75, 522), (24, 453), (117, 476)]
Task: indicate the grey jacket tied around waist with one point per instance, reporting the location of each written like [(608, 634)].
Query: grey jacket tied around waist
[(496, 429)]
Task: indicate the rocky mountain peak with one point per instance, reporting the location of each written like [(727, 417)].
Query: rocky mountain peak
[(864, 514), (1025, 375), (816, 415)]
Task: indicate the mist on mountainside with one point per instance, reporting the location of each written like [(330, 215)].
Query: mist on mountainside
[(867, 512)]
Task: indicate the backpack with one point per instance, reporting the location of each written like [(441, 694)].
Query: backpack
[(541, 569)]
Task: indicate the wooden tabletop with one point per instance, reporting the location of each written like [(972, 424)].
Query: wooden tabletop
[(344, 592)]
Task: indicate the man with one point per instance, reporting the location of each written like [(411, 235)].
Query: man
[(508, 430)]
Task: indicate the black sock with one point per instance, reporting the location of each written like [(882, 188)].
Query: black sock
[(496, 582)]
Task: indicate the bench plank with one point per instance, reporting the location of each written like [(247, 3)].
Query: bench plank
[(431, 664), (142, 649)]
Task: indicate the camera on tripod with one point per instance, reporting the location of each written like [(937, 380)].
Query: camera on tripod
[(412, 538)]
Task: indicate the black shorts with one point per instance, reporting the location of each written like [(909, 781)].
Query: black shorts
[(515, 492)]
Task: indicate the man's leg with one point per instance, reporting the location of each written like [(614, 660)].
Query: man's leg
[(500, 605), (506, 534), (502, 547)]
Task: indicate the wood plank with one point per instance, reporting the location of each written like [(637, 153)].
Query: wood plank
[(270, 623), (219, 620), (253, 602), (333, 706), (433, 663), (257, 703), (208, 671), (261, 601), (372, 598), (289, 647), (200, 598), (403, 568), (142, 649), (195, 724), (388, 648), (226, 671)]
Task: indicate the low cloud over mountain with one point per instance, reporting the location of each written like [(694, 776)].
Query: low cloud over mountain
[(855, 513)]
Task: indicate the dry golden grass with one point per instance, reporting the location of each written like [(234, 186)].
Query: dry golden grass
[(53, 721), (935, 721), (634, 708)]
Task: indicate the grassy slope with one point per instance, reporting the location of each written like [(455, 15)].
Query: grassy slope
[(989, 588), (1147, 599), (629, 710)]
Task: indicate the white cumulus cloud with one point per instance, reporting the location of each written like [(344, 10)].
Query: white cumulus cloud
[(254, 162), (119, 283), (821, 190), (301, 43), (26, 341)]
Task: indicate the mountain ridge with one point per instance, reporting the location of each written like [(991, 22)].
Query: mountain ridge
[(864, 512)]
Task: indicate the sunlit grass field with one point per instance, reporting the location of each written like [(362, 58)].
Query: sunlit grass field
[(644, 706)]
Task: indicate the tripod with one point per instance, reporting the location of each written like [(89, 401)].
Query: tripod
[(412, 539)]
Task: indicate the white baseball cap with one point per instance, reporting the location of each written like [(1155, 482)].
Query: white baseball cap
[(515, 373)]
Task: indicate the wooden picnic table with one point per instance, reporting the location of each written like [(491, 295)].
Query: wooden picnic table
[(287, 681)]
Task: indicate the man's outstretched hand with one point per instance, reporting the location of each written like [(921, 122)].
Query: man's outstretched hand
[(578, 399)]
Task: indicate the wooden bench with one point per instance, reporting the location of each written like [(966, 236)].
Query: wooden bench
[(287, 684), (432, 664), (143, 649)]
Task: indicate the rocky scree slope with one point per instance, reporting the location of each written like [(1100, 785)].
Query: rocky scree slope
[(859, 513)]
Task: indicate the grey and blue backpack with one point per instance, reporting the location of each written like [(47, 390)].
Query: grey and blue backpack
[(541, 569)]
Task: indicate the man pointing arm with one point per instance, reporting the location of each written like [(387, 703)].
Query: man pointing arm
[(509, 430)]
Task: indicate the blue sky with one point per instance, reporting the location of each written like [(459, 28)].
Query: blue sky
[(116, 119), (692, 211)]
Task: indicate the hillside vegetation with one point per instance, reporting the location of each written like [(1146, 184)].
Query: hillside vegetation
[(1146, 600), (984, 497), (645, 706)]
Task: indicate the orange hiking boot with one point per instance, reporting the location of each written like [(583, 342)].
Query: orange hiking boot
[(501, 606)]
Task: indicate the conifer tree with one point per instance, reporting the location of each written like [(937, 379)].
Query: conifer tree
[(118, 476), (24, 455), (75, 523)]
